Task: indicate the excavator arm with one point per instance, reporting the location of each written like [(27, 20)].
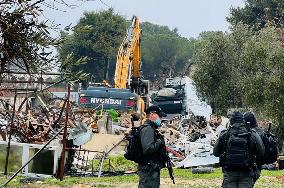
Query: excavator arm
[(127, 76), (128, 56), (128, 64)]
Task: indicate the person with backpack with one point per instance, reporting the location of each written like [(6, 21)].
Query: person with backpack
[(269, 141), (237, 148), (250, 120), (146, 146), (152, 143)]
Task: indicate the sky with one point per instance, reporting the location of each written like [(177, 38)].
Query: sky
[(191, 17)]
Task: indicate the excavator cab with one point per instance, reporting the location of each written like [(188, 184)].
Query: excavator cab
[(104, 98)]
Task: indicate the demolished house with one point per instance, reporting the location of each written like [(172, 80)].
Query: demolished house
[(40, 116)]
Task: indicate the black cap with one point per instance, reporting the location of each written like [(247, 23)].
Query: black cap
[(236, 117), (155, 109), (250, 118)]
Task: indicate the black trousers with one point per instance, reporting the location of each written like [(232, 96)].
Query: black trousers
[(149, 176)]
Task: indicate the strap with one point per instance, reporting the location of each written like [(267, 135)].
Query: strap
[(226, 138)]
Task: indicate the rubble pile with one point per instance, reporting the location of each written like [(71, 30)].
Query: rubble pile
[(31, 125), (193, 137), (189, 138)]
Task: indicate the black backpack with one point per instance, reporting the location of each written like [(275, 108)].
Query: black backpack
[(238, 153), (134, 149), (271, 149)]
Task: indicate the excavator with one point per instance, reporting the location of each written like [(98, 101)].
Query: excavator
[(130, 91)]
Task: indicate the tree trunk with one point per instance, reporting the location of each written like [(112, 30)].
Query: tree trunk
[(106, 68)]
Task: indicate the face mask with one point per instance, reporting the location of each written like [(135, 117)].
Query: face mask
[(158, 122)]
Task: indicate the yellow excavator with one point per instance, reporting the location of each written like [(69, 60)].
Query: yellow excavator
[(130, 92), (128, 65)]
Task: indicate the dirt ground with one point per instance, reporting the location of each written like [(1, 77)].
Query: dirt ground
[(165, 183), (104, 142), (265, 182), (100, 142), (281, 178)]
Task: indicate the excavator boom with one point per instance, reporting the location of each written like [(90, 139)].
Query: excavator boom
[(129, 56)]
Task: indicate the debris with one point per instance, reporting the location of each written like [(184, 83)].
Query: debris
[(192, 137), (81, 134), (201, 156)]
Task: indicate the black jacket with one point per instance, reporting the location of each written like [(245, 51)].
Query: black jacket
[(151, 141), (260, 132), (257, 144)]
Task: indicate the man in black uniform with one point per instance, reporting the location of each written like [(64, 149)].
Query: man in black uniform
[(152, 143), (237, 148), (250, 120)]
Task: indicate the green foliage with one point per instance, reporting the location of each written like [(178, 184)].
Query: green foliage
[(154, 29), (164, 51), (69, 67), (96, 38), (214, 75), (261, 58), (263, 62), (263, 65), (98, 35), (25, 40), (242, 69), (259, 14)]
